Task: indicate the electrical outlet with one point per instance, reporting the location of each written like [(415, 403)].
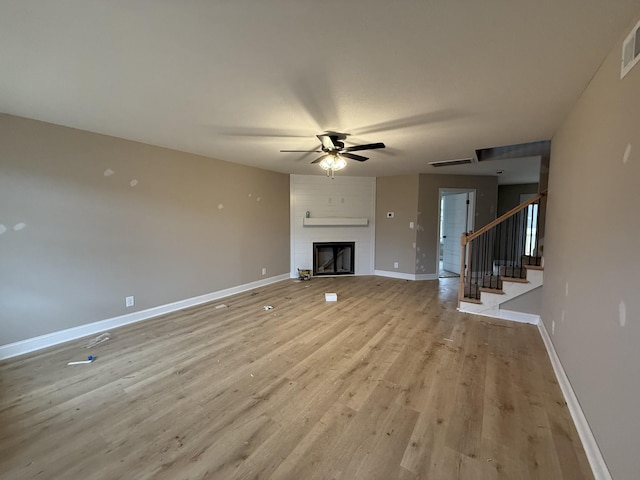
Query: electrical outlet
[(411, 224), (129, 301), (553, 327), (264, 270), (395, 264)]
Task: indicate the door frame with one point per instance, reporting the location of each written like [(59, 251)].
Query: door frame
[(471, 215)]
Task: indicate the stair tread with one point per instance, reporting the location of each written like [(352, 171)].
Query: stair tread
[(534, 267), (497, 291), (514, 279)]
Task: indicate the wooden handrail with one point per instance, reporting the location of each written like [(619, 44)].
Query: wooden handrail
[(467, 238)]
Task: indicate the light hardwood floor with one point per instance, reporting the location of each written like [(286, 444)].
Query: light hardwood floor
[(390, 382)]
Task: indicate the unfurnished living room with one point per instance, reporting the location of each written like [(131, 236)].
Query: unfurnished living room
[(319, 240)]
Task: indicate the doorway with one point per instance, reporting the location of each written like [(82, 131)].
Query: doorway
[(457, 213)]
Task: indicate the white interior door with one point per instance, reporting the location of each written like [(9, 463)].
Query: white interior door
[(454, 224)]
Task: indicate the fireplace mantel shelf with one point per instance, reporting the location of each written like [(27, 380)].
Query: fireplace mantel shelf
[(335, 222)]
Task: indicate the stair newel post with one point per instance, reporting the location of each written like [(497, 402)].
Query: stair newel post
[(463, 257), (470, 249)]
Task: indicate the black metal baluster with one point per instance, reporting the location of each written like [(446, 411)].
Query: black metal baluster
[(538, 256), (481, 254), (493, 252), (486, 257), (529, 234), (501, 243), (491, 235), (516, 242), (512, 245), (493, 258), (475, 263), (472, 254), (523, 232)]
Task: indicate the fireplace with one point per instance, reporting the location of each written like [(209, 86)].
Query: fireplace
[(333, 258)]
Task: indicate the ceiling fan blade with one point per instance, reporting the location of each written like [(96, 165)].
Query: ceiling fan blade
[(370, 146), (301, 151), (353, 156), (319, 159)]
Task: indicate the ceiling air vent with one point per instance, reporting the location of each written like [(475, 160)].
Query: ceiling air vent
[(448, 163), (630, 50)]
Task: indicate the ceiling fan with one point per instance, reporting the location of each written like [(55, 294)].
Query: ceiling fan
[(332, 145)]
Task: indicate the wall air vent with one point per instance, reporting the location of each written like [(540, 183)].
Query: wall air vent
[(448, 163), (630, 50)]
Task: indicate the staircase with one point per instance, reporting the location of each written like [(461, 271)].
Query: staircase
[(501, 261)]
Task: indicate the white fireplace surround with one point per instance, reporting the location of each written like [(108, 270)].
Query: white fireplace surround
[(340, 210)]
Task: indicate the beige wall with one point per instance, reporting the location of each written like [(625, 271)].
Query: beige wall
[(509, 195), (430, 185), (191, 226), (591, 258), (395, 241), (414, 198)]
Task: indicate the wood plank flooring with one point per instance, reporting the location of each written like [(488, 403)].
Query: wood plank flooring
[(390, 382)]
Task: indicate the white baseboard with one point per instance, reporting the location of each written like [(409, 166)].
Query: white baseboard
[(591, 449), (518, 316), (406, 276), (426, 276), (55, 338), (494, 312)]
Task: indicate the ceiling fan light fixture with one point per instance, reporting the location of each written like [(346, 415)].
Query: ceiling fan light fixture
[(333, 163)]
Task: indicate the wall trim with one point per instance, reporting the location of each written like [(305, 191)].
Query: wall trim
[(399, 275), (54, 338), (521, 317), (591, 449), (426, 276), (406, 276)]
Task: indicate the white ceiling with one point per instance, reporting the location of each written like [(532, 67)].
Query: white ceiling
[(240, 80)]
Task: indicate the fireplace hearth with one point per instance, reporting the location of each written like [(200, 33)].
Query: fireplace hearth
[(333, 258)]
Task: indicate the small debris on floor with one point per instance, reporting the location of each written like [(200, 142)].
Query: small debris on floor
[(222, 305), (268, 307), (89, 359), (331, 297), (103, 337), (447, 340), (253, 294), (304, 274)]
